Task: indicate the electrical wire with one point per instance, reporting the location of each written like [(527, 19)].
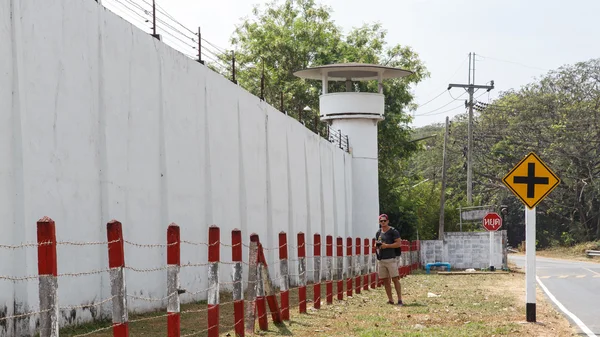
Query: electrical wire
[(513, 62), (215, 46), (131, 10), (165, 13), (431, 100), (454, 74), (441, 107)]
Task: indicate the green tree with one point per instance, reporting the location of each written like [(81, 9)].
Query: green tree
[(290, 35), (557, 117)]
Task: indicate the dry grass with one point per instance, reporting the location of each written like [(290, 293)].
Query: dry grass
[(469, 305), (576, 252)]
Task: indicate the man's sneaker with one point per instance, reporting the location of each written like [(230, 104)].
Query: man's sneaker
[(400, 303)]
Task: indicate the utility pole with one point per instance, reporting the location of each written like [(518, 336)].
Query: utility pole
[(470, 88), (443, 196)]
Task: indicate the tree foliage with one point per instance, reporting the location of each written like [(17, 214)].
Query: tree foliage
[(557, 117), (284, 37)]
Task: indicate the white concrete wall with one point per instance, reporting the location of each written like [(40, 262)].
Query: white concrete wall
[(100, 121), (466, 250)]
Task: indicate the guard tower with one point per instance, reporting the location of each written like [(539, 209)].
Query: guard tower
[(356, 114)]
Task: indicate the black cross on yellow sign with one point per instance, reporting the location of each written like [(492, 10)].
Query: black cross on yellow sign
[(531, 180)]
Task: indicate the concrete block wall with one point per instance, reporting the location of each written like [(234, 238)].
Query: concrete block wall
[(465, 250), (432, 251)]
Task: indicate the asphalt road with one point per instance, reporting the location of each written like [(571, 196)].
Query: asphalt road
[(574, 285)]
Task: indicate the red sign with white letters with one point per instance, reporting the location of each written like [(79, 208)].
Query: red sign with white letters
[(492, 221)]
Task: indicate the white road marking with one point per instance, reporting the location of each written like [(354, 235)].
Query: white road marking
[(575, 319), (592, 271)]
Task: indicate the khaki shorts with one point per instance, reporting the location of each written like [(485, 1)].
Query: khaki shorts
[(388, 268)]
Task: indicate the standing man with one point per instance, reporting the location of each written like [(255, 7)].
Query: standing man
[(388, 238)]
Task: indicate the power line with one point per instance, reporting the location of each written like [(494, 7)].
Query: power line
[(513, 62), (441, 112), (431, 100), (443, 106), (454, 74)]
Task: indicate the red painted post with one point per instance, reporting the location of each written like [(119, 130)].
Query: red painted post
[(350, 266), (301, 273), (374, 260), (401, 261), (261, 304), (253, 283), (410, 258), (173, 267), (402, 258), (416, 255), (317, 272), (267, 287), (285, 277), (340, 267), (329, 268), (405, 258), (47, 271), (413, 250), (214, 252), (367, 268), (116, 263), (418, 244), (412, 255), (358, 269), (238, 299)]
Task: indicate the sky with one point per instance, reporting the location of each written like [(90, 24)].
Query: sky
[(515, 41)]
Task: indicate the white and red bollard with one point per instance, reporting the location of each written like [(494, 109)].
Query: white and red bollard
[(116, 263), (366, 267), (373, 265), (358, 267), (418, 254), (260, 302), (301, 273), (340, 267), (350, 267), (285, 277), (238, 299), (317, 272), (329, 268), (214, 249), (47, 271), (267, 285), (173, 283)]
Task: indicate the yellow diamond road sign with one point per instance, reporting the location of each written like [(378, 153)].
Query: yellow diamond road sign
[(531, 180)]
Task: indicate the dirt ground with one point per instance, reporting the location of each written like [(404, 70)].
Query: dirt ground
[(435, 305)]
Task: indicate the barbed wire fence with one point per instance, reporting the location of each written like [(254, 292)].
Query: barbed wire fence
[(149, 16), (252, 297)]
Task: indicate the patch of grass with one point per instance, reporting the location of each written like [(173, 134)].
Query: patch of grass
[(468, 305), (575, 252)]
